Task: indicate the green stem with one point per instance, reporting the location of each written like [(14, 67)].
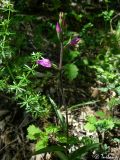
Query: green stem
[(29, 72), (61, 92)]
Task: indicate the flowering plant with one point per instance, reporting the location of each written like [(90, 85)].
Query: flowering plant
[(70, 69)]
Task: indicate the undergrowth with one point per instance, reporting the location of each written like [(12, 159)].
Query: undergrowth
[(37, 62)]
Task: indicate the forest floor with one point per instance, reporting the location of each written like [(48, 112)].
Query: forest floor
[(14, 122)]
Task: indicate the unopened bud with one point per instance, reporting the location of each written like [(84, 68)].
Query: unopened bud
[(58, 28)]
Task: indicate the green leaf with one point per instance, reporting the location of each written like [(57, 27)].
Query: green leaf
[(33, 132), (118, 90), (71, 140), (51, 149), (110, 123), (51, 129), (73, 55), (113, 102), (58, 113), (76, 106), (71, 71), (41, 143), (61, 155), (91, 119), (87, 141), (100, 114), (79, 153), (116, 140), (62, 138), (111, 86), (85, 61), (90, 127), (105, 89), (105, 124)]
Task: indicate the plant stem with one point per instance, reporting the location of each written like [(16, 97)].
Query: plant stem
[(61, 93), (61, 56)]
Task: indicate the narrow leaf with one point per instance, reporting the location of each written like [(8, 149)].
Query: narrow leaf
[(50, 149), (58, 113), (82, 104), (61, 155), (82, 151)]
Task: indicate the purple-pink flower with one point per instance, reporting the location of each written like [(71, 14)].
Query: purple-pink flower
[(45, 62), (74, 41), (58, 28)]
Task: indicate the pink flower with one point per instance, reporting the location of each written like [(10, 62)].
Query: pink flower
[(45, 63), (74, 41), (58, 28)]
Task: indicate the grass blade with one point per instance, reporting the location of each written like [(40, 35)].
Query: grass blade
[(58, 113)]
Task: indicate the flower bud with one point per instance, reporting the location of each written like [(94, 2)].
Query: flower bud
[(62, 21), (61, 17), (58, 28)]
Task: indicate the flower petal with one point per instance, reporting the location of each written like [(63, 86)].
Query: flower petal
[(75, 41), (45, 62)]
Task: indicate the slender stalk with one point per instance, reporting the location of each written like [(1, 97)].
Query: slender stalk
[(61, 56), (61, 90), (66, 112)]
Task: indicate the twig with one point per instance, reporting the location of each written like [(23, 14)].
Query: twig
[(8, 145)]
